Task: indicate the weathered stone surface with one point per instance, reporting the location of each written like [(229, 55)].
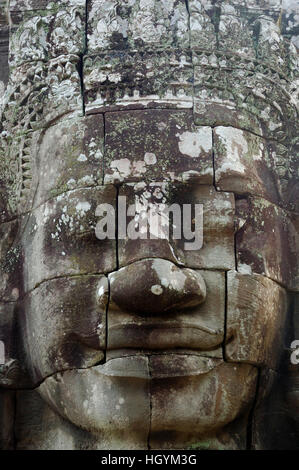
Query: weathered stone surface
[(211, 400), (270, 47), (13, 374), (239, 26), (7, 419), (134, 78), (39, 92), (202, 28), (140, 24), (111, 401), (10, 262), (247, 164), (69, 331), (152, 244), (45, 30), (273, 412), (8, 331), (4, 42), (254, 303), (8, 178), (155, 145), (179, 289), (59, 237), (68, 155), (37, 426), (133, 323), (217, 251), (180, 356), (290, 21), (119, 382), (278, 395), (236, 30), (255, 29), (258, 102), (267, 241), (247, 79), (291, 369)]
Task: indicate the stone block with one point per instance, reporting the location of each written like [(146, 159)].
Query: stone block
[(267, 241), (45, 30), (138, 79), (69, 331), (111, 401), (10, 262), (255, 304), (216, 226), (247, 164), (156, 145), (66, 156), (59, 237), (232, 90), (39, 93), (141, 24), (189, 410), (202, 27)]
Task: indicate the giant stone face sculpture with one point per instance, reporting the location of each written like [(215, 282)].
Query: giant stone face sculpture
[(141, 343)]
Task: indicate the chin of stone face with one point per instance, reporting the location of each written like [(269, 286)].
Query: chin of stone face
[(149, 225)]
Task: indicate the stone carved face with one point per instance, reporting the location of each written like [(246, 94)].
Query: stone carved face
[(142, 342)]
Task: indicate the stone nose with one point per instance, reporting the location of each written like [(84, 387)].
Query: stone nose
[(154, 286)]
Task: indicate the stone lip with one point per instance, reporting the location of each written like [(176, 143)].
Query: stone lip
[(158, 366), (151, 334)]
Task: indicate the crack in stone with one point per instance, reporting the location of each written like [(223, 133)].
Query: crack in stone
[(102, 362), (80, 72), (62, 276), (190, 52), (81, 60), (103, 110), (225, 320), (105, 274), (116, 227), (29, 212), (107, 109), (39, 383), (256, 196)]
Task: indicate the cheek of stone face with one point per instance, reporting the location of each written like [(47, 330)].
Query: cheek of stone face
[(64, 324), (255, 319)]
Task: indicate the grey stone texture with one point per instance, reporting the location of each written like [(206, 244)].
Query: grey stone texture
[(134, 342)]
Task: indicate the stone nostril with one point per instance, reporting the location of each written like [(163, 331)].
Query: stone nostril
[(154, 286)]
